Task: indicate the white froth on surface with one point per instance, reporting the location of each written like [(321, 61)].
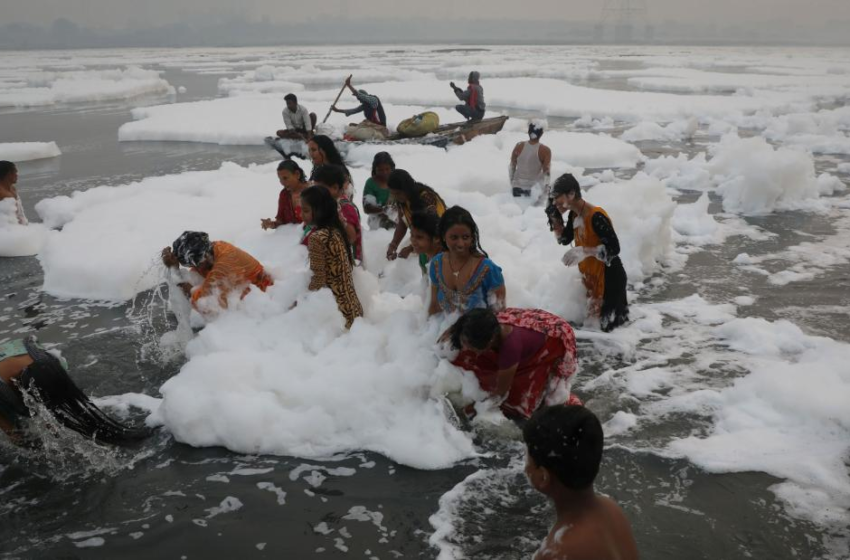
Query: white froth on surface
[(19, 240), (39, 88), (28, 151), (788, 417)]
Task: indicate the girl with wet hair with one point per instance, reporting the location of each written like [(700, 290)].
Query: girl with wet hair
[(331, 254), (410, 196), (376, 193), (519, 356), (26, 365), (463, 277), (293, 180)]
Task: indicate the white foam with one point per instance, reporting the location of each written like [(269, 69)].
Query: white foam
[(49, 88), (754, 178), (18, 240), (28, 151)]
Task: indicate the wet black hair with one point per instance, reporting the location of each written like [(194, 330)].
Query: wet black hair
[(455, 216), (290, 97), (566, 184), (6, 168), (292, 167), (326, 214), (329, 175), (382, 158), (567, 440), (401, 180), (477, 327), (535, 129), (329, 148), (51, 385), (427, 221)]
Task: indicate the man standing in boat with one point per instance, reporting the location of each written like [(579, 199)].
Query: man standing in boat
[(298, 120), (530, 163), (370, 105), (473, 98)]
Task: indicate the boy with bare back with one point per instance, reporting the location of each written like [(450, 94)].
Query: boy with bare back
[(564, 449)]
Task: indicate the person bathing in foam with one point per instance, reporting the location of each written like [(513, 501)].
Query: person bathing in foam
[(596, 252), (425, 237), (410, 196), (223, 266), (330, 252), (521, 357), (26, 365), (377, 201), (332, 178), (563, 453), (463, 276), (292, 177), (8, 180), (530, 163)]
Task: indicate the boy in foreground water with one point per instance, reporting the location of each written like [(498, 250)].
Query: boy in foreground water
[(564, 449)]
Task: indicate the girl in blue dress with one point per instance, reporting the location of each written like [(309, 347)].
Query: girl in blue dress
[(463, 277)]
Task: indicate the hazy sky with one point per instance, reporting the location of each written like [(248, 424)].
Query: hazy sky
[(121, 13)]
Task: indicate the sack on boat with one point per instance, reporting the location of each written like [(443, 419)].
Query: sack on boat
[(419, 125), (366, 130)]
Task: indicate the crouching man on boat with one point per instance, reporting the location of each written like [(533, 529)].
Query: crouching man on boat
[(300, 123), (473, 98), (530, 162), (375, 123)]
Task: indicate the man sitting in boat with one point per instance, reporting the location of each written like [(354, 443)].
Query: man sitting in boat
[(299, 122), (370, 106), (530, 163), (473, 98)]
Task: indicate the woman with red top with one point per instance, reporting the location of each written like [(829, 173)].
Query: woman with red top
[(292, 177), (518, 355)]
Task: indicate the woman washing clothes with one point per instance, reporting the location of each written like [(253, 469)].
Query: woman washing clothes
[(519, 356)]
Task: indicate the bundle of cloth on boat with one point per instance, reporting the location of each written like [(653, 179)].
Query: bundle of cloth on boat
[(419, 125), (366, 130)]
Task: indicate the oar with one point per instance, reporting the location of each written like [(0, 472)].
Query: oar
[(337, 99)]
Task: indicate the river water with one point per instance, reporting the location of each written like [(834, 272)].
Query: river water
[(170, 500)]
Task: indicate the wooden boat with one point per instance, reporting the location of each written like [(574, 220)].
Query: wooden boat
[(452, 133)]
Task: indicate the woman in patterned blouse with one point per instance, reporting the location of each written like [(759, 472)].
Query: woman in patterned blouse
[(331, 254)]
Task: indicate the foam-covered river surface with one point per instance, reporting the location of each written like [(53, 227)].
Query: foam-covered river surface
[(724, 401)]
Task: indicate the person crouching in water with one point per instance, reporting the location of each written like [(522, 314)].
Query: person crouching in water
[(26, 365), (331, 254), (596, 251), (223, 266), (520, 356), (563, 453), (473, 97), (530, 162)]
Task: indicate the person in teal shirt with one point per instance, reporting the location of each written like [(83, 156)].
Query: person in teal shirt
[(377, 201)]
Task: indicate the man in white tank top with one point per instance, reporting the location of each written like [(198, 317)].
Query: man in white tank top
[(530, 163)]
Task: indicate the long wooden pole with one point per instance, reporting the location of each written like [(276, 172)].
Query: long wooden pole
[(337, 99)]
